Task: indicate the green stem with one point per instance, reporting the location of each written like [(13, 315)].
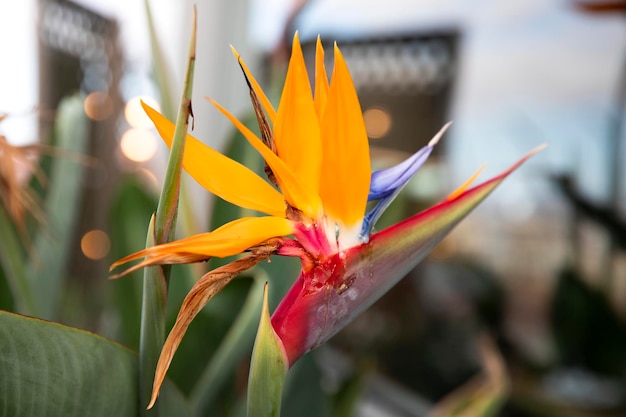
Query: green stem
[(162, 228), (168, 200)]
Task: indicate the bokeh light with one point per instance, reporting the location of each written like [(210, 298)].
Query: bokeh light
[(138, 145), (95, 244), (134, 114), (377, 122), (98, 105), (149, 177)]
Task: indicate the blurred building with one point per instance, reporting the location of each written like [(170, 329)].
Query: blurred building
[(79, 53), (404, 81)]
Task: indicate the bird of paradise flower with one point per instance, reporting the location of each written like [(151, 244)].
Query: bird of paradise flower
[(316, 151)]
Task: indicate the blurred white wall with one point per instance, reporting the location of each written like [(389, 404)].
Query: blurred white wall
[(18, 70)]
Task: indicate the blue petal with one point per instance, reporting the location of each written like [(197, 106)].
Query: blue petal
[(387, 183)]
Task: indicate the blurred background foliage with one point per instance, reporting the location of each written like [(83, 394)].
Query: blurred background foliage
[(520, 312)]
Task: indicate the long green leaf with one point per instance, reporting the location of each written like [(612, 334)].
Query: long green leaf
[(152, 332), (161, 69), (47, 369), (130, 208), (156, 279)]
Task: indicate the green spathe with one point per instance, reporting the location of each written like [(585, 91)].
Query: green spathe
[(267, 369)]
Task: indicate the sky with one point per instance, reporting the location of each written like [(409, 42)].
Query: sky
[(532, 71)]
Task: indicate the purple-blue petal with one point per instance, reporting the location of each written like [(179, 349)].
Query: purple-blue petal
[(386, 181), (386, 184), (374, 214)]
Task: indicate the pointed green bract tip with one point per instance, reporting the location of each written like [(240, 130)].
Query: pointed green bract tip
[(267, 369)]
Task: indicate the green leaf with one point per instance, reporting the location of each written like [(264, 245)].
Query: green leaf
[(47, 369), (132, 205), (162, 72), (267, 369)]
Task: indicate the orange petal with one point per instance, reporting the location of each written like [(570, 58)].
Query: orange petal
[(346, 165), (454, 194), (321, 80), (230, 239), (297, 128), (235, 237), (296, 193), (221, 175), (269, 109)]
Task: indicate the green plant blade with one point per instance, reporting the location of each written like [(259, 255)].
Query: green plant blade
[(132, 205), (47, 369), (267, 369), (53, 243), (161, 68), (152, 332), (162, 228)]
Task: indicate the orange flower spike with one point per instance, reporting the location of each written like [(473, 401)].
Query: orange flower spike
[(321, 80), (297, 129), (346, 166), (295, 192), (454, 194), (267, 104), (230, 239)]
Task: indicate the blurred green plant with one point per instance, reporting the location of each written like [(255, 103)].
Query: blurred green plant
[(36, 274)]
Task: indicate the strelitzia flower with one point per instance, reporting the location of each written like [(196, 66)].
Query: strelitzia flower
[(317, 154)]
